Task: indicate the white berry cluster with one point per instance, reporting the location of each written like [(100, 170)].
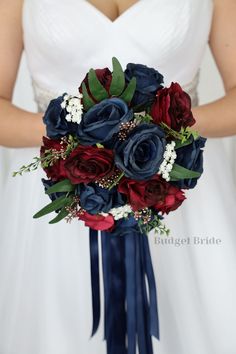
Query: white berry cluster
[(169, 160), (121, 212), (74, 108)]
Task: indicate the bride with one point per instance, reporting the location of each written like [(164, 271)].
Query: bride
[(45, 300)]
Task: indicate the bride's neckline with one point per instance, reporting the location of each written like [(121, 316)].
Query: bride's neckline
[(121, 15)]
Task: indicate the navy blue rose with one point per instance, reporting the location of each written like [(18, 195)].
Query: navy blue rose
[(149, 81), (103, 120), (47, 183), (141, 155), (54, 119), (95, 199), (191, 157)]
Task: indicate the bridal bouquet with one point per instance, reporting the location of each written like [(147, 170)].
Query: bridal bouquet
[(122, 147), (119, 156)]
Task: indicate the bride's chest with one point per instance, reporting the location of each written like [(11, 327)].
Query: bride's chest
[(77, 24), (112, 9), (66, 38)]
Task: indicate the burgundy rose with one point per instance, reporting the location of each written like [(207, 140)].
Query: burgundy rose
[(172, 106), (97, 222), (173, 198), (156, 193), (103, 75), (88, 164), (56, 172)]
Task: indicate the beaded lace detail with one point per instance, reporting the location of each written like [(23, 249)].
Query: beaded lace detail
[(43, 96)]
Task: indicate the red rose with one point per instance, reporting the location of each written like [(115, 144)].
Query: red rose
[(156, 193), (97, 222), (103, 75), (172, 106), (173, 198), (56, 172), (88, 164)]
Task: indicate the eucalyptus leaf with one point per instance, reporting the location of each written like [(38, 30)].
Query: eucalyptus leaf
[(87, 101), (96, 88), (62, 186), (128, 94), (58, 203), (61, 215), (179, 172), (118, 78)]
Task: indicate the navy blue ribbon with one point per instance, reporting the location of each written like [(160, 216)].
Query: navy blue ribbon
[(130, 308), (94, 267), (130, 266)]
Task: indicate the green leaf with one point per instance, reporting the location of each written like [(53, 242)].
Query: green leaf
[(59, 203), (178, 172), (96, 88), (179, 144), (61, 215), (143, 118), (62, 186), (195, 134), (118, 79), (116, 181), (128, 94), (87, 101)]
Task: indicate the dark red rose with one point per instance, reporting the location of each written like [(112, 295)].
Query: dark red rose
[(156, 193), (88, 164), (97, 222), (173, 198), (103, 75), (172, 106), (56, 172)]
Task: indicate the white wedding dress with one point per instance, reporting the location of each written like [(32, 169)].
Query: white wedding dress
[(45, 297)]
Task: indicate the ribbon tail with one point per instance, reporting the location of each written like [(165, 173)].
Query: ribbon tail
[(143, 330), (94, 267), (114, 293), (106, 280), (153, 308), (130, 256)]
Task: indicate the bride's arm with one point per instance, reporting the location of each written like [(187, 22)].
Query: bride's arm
[(218, 118), (18, 128)]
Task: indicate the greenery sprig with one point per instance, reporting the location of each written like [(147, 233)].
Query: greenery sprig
[(155, 224), (116, 181), (143, 118), (183, 137), (28, 168), (50, 156)]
